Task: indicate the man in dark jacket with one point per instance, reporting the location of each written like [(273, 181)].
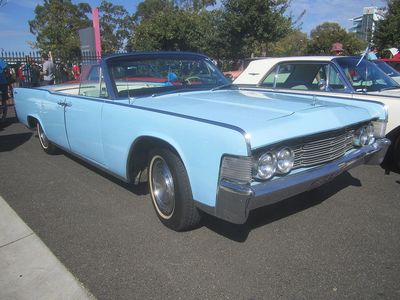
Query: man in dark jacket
[(3, 82)]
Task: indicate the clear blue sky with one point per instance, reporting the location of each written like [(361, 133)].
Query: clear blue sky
[(14, 16)]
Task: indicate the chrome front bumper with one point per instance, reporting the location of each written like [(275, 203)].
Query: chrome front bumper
[(234, 201)]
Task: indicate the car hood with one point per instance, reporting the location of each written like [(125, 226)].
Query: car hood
[(265, 117)]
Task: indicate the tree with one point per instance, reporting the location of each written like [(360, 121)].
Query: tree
[(295, 43), (196, 4), (171, 29), (114, 26), (252, 25), (148, 8), (174, 25), (387, 34), (237, 29), (324, 35), (56, 25)]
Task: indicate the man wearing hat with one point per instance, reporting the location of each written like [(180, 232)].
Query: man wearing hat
[(337, 49)]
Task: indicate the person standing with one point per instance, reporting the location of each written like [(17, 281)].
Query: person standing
[(3, 82), (76, 71), (48, 71)]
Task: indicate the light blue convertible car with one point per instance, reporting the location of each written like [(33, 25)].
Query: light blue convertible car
[(172, 119)]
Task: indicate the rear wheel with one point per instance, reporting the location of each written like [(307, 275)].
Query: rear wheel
[(46, 145), (170, 191)]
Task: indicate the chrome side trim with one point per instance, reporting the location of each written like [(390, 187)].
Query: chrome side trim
[(113, 102), (92, 163)]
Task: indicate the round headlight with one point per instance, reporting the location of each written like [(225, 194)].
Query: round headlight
[(285, 160), (370, 133), (266, 165), (361, 137)]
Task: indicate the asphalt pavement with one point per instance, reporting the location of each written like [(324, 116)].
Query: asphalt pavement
[(340, 241), (29, 270)]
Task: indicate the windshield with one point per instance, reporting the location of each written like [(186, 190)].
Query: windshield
[(144, 76), (365, 76), (387, 68)]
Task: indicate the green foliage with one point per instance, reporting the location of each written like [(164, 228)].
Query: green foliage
[(387, 34), (172, 29), (56, 25), (295, 43), (115, 23), (196, 4), (324, 35), (251, 25), (239, 28), (149, 8)]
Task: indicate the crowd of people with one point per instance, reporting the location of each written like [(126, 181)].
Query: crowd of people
[(34, 73)]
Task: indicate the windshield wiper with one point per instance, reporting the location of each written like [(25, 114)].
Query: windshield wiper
[(227, 85)]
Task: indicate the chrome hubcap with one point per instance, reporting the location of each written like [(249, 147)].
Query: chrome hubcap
[(42, 137), (162, 187)]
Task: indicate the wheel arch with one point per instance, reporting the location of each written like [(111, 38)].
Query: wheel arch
[(32, 121), (392, 157), (138, 156), (393, 133)]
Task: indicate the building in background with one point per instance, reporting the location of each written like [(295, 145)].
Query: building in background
[(364, 26)]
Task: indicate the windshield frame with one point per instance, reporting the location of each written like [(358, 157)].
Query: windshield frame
[(160, 86)]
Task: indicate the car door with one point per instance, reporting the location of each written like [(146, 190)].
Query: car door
[(83, 117), (52, 114)]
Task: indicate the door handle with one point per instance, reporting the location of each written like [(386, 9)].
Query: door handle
[(64, 103)]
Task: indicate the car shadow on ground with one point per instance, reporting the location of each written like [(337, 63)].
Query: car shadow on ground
[(257, 218), (271, 213), (8, 122), (140, 189), (12, 141)]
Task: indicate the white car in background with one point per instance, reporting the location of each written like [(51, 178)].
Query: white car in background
[(325, 76)]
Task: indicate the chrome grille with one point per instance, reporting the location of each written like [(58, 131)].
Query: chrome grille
[(324, 150)]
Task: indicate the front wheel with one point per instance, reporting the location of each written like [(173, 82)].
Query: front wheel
[(170, 191), (46, 145)]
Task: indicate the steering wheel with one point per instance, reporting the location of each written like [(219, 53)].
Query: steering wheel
[(192, 79)]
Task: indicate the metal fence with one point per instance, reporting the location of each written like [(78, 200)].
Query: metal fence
[(64, 67)]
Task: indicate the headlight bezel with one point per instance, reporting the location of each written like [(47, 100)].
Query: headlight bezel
[(270, 158), (368, 133), (288, 160), (276, 168)]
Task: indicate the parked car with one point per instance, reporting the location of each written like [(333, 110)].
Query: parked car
[(389, 70), (391, 57), (241, 65), (338, 76), (201, 144)]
